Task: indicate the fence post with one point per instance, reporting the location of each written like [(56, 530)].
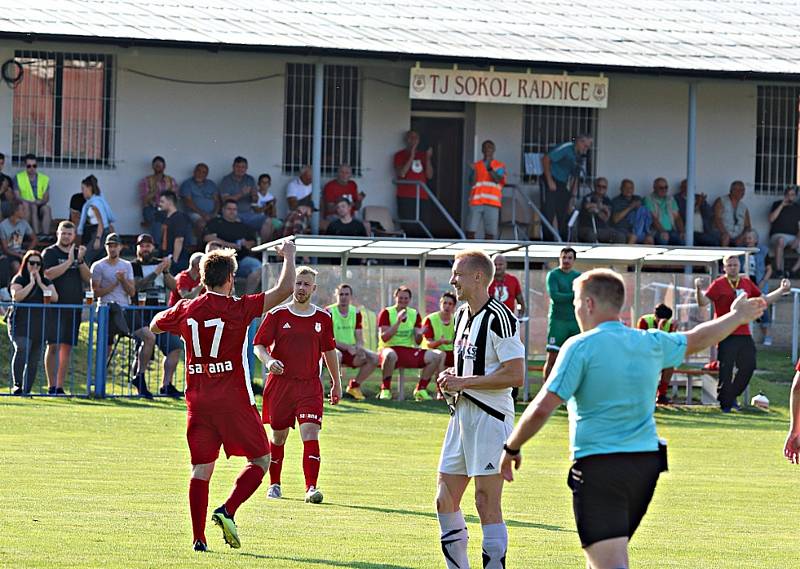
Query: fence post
[(102, 348), (90, 349)]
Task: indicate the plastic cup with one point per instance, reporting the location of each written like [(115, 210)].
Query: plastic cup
[(48, 296), (88, 297), (141, 298)]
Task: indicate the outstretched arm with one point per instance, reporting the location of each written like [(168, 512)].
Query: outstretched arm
[(743, 311), (283, 288)]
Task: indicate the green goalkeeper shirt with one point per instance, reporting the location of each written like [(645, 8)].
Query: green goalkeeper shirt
[(559, 288)]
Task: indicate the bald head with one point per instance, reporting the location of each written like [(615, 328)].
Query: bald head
[(500, 265)]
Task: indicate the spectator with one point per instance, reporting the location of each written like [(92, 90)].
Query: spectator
[(113, 284), (505, 287), (660, 319), (666, 219), (342, 185), (33, 188), (214, 245), (75, 207), (595, 215), (200, 197), (14, 230), (438, 328), (784, 229), (704, 233), (241, 187), (232, 233), (486, 197), (759, 270), (298, 222), (153, 281), (187, 283), (7, 197), (344, 224), (629, 216), (265, 205), (299, 190), (96, 221), (150, 189), (25, 324), (731, 216), (412, 165), (3, 175), (562, 170), (65, 266), (177, 233)]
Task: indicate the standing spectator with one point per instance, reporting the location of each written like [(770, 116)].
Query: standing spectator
[(33, 188), (438, 329), (660, 319), (629, 216), (486, 197), (187, 283), (784, 229), (344, 224), (232, 233), (562, 170), (14, 230), (25, 324), (265, 204), (200, 197), (3, 175), (760, 271), (342, 185), (150, 189), (666, 218), (412, 165), (731, 216), (75, 207), (595, 214), (505, 287), (704, 233), (177, 233), (96, 221), (240, 187), (738, 348), (299, 190), (65, 265)]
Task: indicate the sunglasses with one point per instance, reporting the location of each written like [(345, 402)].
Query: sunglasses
[(35, 263), (34, 166)]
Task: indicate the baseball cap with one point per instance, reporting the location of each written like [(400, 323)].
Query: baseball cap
[(145, 238), (113, 238)]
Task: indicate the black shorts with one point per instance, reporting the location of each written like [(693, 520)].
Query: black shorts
[(611, 492), (63, 326)]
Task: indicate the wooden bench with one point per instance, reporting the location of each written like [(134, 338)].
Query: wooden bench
[(686, 378)]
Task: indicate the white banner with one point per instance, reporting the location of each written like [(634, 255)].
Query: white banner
[(512, 88)]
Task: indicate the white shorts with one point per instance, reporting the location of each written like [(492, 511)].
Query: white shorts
[(474, 441)]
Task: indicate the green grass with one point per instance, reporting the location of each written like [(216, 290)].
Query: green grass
[(103, 484)]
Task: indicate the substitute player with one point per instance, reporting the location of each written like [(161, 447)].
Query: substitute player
[(489, 361), (290, 342), (505, 287), (219, 398), (349, 335), (561, 323), (438, 328)]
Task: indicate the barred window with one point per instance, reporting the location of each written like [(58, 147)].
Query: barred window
[(63, 108), (546, 126), (776, 139), (341, 118)]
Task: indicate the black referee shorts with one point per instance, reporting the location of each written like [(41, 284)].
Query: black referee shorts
[(611, 492)]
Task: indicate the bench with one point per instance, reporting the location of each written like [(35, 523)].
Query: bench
[(686, 378)]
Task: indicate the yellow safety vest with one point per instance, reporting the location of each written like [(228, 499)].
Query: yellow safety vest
[(441, 329), (26, 190), (485, 191), (344, 327), (405, 332)]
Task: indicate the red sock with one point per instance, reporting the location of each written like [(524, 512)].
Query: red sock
[(311, 461), (353, 383), (423, 383), (386, 383), (248, 482), (198, 506), (276, 464)]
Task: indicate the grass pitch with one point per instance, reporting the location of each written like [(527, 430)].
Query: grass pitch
[(104, 484)]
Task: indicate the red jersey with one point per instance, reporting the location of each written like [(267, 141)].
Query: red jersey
[(722, 293), (333, 191), (506, 290), (214, 332), (298, 341), (416, 172), (383, 319), (183, 281)]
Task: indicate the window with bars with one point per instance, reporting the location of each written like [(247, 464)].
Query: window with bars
[(341, 118), (545, 127), (63, 109), (777, 139)]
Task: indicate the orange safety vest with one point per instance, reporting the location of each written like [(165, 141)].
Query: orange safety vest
[(485, 191)]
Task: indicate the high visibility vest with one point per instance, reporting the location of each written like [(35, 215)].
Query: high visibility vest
[(485, 191), (26, 190), (652, 320), (344, 327), (405, 332), (440, 329)]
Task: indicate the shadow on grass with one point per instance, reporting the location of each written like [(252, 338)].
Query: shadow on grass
[(696, 417), (328, 562)]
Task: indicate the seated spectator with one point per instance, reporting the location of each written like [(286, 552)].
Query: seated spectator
[(704, 233), (731, 216), (187, 283), (150, 189), (75, 207), (299, 191), (298, 222), (342, 185), (666, 219), (3, 175), (438, 328), (232, 233), (240, 187), (29, 285), (629, 216), (759, 270), (7, 196), (177, 233), (784, 230), (661, 319), (595, 215), (200, 198), (96, 221), (344, 224), (264, 203), (33, 188), (14, 232)]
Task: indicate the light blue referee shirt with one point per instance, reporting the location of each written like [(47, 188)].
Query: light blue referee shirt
[(608, 376)]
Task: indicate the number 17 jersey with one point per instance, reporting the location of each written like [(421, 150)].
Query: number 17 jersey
[(214, 332)]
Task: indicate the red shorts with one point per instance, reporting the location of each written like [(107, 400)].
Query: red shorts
[(288, 399), (347, 359), (409, 358), (449, 359), (239, 432)]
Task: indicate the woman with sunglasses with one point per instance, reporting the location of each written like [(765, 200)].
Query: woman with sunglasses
[(25, 324)]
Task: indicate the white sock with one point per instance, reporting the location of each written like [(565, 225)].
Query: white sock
[(454, 540), (495, 544)]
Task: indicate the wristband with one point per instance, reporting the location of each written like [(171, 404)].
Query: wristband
[(511, 451)]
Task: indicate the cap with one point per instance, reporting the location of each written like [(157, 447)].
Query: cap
[(145, 238), (113, 238)]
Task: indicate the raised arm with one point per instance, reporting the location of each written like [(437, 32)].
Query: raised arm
[(700, 297), (285, 284), (743, 311)]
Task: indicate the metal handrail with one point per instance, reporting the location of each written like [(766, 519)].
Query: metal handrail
[(423, 186), (516, 191)]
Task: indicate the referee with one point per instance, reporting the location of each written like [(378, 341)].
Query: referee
[(613, 442), (489, 361)]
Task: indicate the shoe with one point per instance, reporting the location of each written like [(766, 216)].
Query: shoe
[(17, 390), (385, 394), (51, 390), (60, 391), (228, 526), (274, 492), (725, 409), (422, 395), (258, 389), (313, 495), (768, 341), (200, 546), (355, 393), (141, 386), (170, 391), (735, 406), (663, 400)]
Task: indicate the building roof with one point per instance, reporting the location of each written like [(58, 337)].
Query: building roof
[(721, 37)]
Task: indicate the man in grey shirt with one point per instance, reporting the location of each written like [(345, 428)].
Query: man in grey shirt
[(14, 230)]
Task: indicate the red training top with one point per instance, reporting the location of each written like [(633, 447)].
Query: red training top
[(506, 290), (722, 294), (334, 191), (415, 173), (183, 281)]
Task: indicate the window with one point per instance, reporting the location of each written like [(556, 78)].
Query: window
[(546, 126), (341, 118), (776, 139), (63, 108)]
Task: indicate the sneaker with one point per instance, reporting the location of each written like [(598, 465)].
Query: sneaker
[(663, 400), (51, 390), (768, 341), (170, 391), (228, 526), (385, 394), (735, 406), (60, 391), (422, 395), (275, 492), (313, 495), (355, 393), (17, 390), (200, 546), (141, 386), (725, 409)]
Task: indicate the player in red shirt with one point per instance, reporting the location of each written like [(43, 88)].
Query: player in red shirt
[(290, 342), (187, 283), (791, 449), (219, 398), (506, 288)]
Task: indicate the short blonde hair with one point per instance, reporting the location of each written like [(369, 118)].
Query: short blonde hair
[(603, 285), (478, 261), (306, 270), (727, 258)]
